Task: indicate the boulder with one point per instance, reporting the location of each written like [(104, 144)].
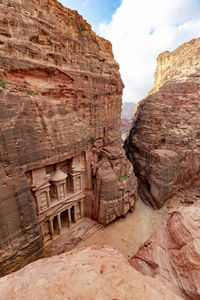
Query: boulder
[(173, 251), (90, 273)]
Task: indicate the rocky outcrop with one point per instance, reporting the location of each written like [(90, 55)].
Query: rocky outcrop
[(60, 105), (173, 251), (164, 143), (115, 187), (89, 273)]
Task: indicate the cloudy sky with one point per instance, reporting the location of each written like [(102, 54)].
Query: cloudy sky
[(94, 11), (139, 31)]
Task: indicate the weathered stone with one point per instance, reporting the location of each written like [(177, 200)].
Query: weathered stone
[(173, 251), (114, 181), (60, 105), (89, 273), (164, 143)]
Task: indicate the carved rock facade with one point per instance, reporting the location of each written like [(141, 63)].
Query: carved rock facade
[(164, 143), (58, 195), (60, 105)]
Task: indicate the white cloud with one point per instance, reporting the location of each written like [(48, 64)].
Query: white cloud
[(85, 3), (142, 29)]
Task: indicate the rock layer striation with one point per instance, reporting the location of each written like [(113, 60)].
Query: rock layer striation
[(164, 142), (60, 105), (173, 251)]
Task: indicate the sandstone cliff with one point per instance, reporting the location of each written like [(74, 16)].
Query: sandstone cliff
[(60, 105), (90, 273), (164, 143), (173, 251)]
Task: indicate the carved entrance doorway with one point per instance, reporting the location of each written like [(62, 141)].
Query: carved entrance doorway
[(64, 219)]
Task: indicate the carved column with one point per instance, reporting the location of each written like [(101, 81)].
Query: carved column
[(58, 191), (82, 210), (42, 231), (51, 228), (48, 199), (75, 214), (59, 223), (69, 217)]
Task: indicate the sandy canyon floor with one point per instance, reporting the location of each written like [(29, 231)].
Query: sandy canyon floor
[(127, 234)]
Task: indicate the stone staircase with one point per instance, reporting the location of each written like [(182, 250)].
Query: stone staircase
[(69, 239)]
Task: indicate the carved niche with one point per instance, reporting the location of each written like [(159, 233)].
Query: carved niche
[(59, 185), (77, 174), (41, 187)]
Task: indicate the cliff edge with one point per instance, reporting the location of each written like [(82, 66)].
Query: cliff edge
[(60, 149), (164, 142)]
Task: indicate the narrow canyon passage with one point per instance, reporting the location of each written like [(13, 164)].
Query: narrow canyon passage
[(128, 234)]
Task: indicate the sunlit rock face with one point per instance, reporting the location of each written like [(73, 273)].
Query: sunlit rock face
[(91, 273), (179, 64), (173, 251), (164, 142), (60, 149)]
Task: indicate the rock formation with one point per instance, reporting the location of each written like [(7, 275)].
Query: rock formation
[(173, 251), (60, 141), (164, 143), (90, 273)]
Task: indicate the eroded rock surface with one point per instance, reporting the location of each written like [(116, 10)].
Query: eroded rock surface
[(89, 273), (164, 143), (173, 251), (60, 105)]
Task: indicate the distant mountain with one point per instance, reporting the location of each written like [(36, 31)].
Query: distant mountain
[(126, 118)]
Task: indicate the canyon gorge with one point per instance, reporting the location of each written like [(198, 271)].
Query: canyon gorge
[(164, 147), (164, 141), (61, 157), (64, 174)]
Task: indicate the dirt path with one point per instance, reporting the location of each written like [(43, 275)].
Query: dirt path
[(128, 234)]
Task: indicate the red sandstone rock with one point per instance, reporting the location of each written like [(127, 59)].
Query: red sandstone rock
[(89, 273), (164, 143), (60, 105), (173, 251), (114, 181)]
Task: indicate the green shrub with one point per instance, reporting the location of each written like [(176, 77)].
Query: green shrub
[(189, 147), (31, 93), (3, 83), (40, 14), (122, 178), (92, 140), (83, 27)]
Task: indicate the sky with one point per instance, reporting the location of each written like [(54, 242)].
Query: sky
[(139, 31), (94, 11)]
